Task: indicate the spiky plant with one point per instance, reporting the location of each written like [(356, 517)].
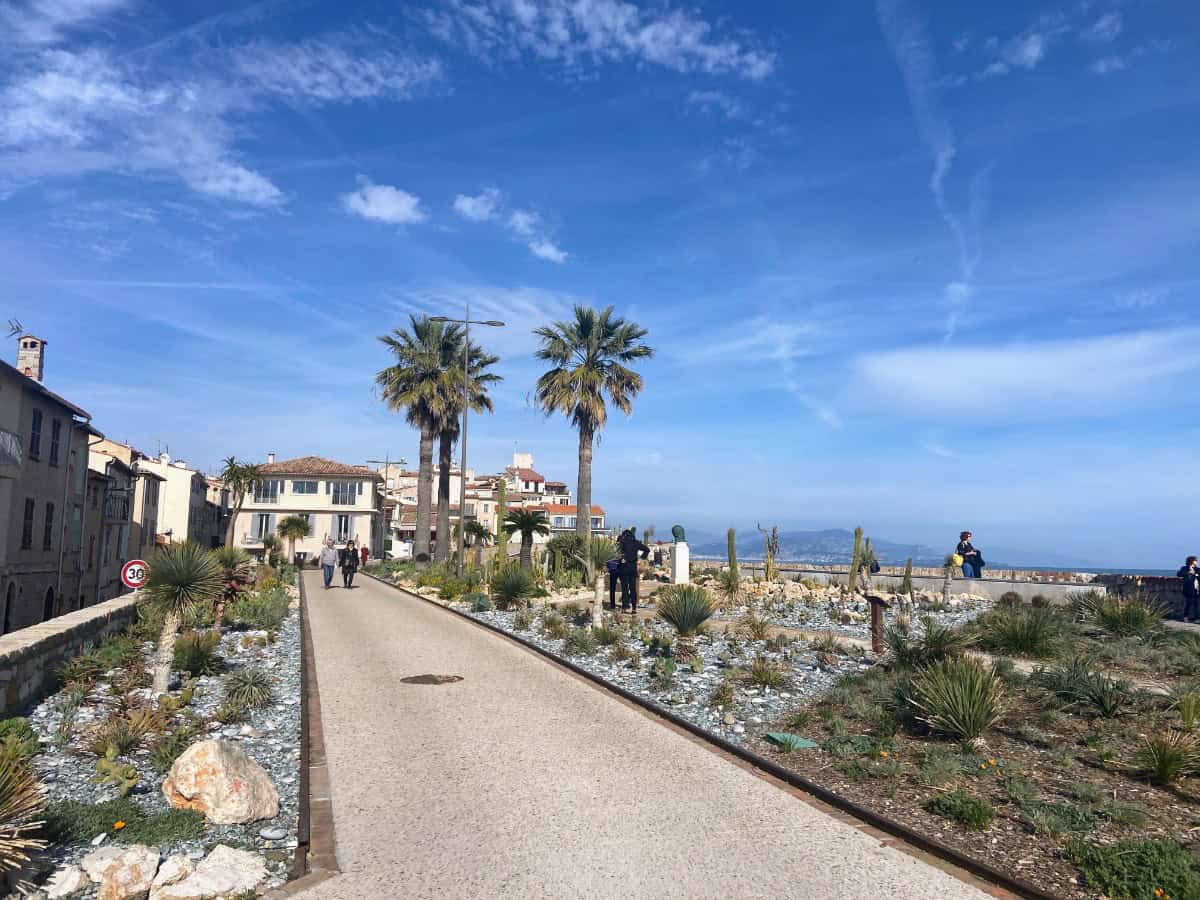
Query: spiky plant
[(959, 697), (1167, 757), (686, 608), (855, 561), (22, 799), (936, 643), (1189, 710), (236, 577), (766, 672), (181, 576), (731, 549), (527, 523), (510, 586), (293, 528), (770, 550), (250, 688)]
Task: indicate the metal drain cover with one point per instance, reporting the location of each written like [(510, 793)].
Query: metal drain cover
[(431, 679)]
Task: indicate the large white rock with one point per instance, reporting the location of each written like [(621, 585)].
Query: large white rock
[(218, 779), (130, 875), (96, 863), (225, 873), (66, 881), (174, 870)]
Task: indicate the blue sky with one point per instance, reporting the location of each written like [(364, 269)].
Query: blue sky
[(915, 266)]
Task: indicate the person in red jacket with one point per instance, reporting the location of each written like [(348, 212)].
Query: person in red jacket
[(365, 554)]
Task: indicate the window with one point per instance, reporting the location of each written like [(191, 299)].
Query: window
[(304, 487), (391, 483), (262, 525), (268, 491), (35, 435), (91, 552), (343, 493), (55, 440), (342, 523), (27, 525), (48, 533)]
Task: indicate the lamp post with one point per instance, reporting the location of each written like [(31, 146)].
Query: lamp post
[(466, 322)]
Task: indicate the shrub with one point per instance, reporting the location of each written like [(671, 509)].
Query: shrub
[(1132, 870), (230, 712), (165, 750), (69, 821), (118, 651), (1021, 632), (259, 610), (960, 697), (196, 653), (510, 586), (936, 643), (122, 732), (17, 738), (621, 653), (685, 607), (1076, 683), (828, 643), (1021, 791), (1167, 757), (82, 670), (1010, 600), (662, 673), (722, 694), (1039, 601), (554, 626), (451, 588), (478, 602), (21, 801), (1131, 616), (249, 687), (939, 766), (523, 620), (1189, 710), (606, 635), (729, 583), (961, 807), (580, 642), (756, 628), (765, 672), (1057, 819)]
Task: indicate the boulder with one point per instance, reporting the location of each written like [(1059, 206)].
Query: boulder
[(67, 881), (174, 870), (96, 863), (130, 875), (218, 779), (225, 873)]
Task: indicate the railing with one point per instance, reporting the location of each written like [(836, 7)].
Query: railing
[(11, 453), (266, 498), (251, 539)]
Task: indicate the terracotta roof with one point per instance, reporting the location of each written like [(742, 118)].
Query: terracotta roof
[(526, 474), (562, 509), (318, 465)]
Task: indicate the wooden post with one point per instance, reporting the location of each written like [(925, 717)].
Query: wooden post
[(878, 605)]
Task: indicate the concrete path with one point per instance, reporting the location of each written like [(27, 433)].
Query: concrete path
[(524, 781)]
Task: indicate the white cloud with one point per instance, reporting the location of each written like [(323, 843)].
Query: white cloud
[(1072, 377), (384, 203), (523, 222), (1106, 28), (544, 248), (337, 69), (47, 21), (1108, 65), (578, 33), (717, 100), (1026, 51), (478, 208)]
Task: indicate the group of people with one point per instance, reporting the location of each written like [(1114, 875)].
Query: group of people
[(623, 570), (348, 559)]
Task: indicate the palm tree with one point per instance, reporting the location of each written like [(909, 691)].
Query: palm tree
[(271, 545), (527, 523), (234, 563), (589, 357), (419, 382), (478, 534), (240, 478), (291, 529), (181, 576)]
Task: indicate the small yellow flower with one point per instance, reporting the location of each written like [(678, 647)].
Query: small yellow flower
[(118, 825), (883, 754), (983, 765), (991, 762)]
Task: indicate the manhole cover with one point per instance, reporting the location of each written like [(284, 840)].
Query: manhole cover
[(431, 679)]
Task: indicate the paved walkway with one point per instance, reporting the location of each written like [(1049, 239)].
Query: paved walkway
[(523, 781)]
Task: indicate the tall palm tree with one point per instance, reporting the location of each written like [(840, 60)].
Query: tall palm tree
[(293, 528), (181, 576), (240, 478), (478, 533), (419, 383), (527, 523), (589, 355), (234, 563), (477, 384)]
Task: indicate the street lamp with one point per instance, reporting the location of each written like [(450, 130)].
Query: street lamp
[(466, 322)]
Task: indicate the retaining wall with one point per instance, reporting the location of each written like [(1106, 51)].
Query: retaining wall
[(30, 657), (992, 588)]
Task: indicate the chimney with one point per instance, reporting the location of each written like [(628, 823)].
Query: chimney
[(31, 355), (271, 457)]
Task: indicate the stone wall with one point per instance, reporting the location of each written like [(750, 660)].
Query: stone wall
[(30, 657), (897, 572)]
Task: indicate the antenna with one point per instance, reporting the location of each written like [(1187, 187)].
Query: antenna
[(14, 327)]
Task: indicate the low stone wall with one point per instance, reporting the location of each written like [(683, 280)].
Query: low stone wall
[(991, 588), (30, 657), (1031, 575)]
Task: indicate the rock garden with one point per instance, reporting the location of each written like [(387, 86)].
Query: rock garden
[(167, 764)]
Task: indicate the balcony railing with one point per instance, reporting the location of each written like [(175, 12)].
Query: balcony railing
[(11, 454), (266, 498)]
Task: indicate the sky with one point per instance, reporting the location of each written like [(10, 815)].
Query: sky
[(912, 265)]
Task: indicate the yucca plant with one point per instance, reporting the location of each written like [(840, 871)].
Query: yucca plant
[(1189, 710), (250, 688), (1122, 616), (22, 799), (580, 642), (180, 577), (766, 672), (236, 577), (1033, 632), (1167, 757), (686, 608), (1076, 682), (959, 697), (936, 643), (510, 586), (196, 653)]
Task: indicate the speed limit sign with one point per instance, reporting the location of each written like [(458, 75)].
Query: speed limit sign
[(134, 572)]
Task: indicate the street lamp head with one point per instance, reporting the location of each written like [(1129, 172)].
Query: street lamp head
[(438, 319), (494, 323)]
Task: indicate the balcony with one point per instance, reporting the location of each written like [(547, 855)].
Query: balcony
[(11, 454), (265, 498), (251, 540)]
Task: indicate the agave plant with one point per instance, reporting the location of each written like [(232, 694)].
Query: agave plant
[(511, 585), (936, 643), (686, 607), (22, 798), (235, 566), (1167, 757), (959, 697), (181, 576), (250, 688)]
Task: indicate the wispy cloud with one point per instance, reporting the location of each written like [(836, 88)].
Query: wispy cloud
[(384, 203), (1025, 51), (579, 34), (1105, 29), (524, 225), (1107, 65), (479, 207), (49, 21), (716, 100)]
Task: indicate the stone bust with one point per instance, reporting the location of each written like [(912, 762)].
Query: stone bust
[(678, 533)]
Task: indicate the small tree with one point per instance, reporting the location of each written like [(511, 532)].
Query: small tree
[(527, 523), (271, 545), (478, 534), (181, 576), (239, 478), (234, 564), (292, 529)]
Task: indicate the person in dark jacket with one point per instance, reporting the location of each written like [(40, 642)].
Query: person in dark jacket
[(1190, 573), (972, 565), (349, 562), (614, 578), (630, 548)]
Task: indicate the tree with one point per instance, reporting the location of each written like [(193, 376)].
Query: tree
[(234, 565), (240, 478), (527, 523), (589, 356), (181, 576), (478, 534), (271, 545), (419, 383), (292, 529)]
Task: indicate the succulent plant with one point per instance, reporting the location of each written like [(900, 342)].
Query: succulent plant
[(110, 771)]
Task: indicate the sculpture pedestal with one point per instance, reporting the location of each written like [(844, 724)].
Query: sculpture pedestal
[(680, 566)]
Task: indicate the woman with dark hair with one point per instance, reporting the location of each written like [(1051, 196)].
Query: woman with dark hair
[(1190, 573), (972, 559), (630, 547), (349, 564)]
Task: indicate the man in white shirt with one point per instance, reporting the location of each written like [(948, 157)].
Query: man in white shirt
[(328, 560)]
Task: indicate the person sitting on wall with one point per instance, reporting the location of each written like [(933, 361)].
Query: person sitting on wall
[(1190, 573), (972, 559)]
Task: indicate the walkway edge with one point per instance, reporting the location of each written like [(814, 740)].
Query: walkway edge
[(929, 845)]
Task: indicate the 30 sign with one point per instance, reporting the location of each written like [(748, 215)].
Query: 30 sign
[(134, 572)]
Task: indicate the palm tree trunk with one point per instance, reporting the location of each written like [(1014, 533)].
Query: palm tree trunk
[(164, 656), (527, 552), (949, 570), (219, 610), (583, 508), (424, 499), (441, 552), (231, 525), (291, 551)]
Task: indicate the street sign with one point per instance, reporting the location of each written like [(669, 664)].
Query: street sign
[(134, 572)]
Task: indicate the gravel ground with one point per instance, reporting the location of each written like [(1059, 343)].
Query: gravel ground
[(270, 736)]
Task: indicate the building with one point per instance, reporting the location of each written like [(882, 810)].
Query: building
[(339, 501), (563, 518), (112, 519), (143, 511), (184, 510)]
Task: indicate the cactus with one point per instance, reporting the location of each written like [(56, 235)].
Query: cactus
[(770, 550), (855, 561), (732, 538), (866, 564), (906, 589), (109, 771), (952, 562)]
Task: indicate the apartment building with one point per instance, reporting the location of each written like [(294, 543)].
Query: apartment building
[(112, 505), (143, 510), (185, 512), (339, 501)]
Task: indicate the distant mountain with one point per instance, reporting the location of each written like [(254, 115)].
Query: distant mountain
[(831, 547)]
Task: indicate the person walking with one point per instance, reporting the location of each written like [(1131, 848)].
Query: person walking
[(1190, 573), (365, 554), (328, 559), (349, 562), (614, 578), (630, 548), (972, 559)]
